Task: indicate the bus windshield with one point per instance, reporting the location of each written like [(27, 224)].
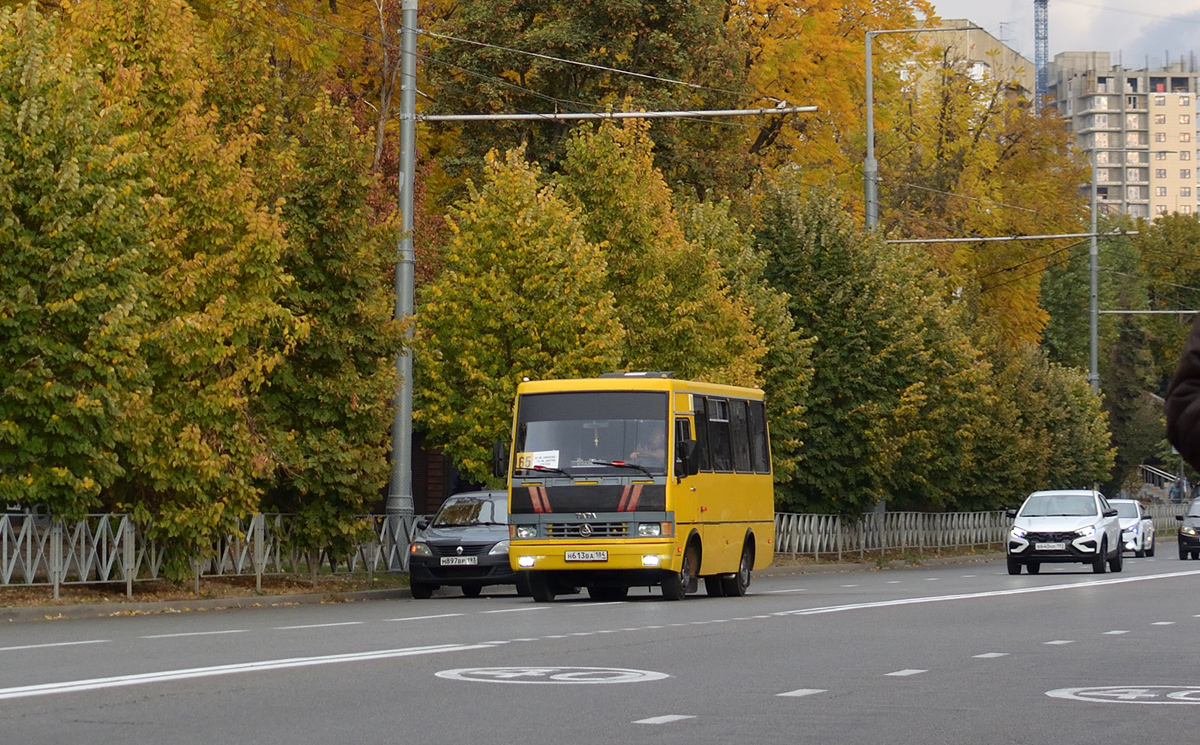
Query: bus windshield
[(587, 433)]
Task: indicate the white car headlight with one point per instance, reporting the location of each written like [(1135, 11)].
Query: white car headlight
[(419, 549), (500, 549), (1086, 531), (1017, 532)]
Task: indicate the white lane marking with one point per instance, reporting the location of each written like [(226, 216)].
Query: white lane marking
[(781, 592), (120, 681), (990, 655), (893, 581), (980, 595), (317, 625), (968, 576), (194, 633), (1163, 623), (932, 579), (514, 610), (1116, 632), (597, 605), (906, 673), (802, 692), (427, 618), (664, 719), (55, 644), (1060, 642), (849, 585)]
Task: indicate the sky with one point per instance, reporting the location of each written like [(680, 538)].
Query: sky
[(1134, 28)]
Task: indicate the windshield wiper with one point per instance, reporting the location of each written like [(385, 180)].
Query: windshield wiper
[(543, 469), (622, 464)]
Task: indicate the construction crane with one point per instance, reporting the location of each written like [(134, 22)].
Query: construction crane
[(1040, 51)]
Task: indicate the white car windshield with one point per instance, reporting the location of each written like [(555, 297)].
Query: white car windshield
[(1125, 509), (1059, 505)]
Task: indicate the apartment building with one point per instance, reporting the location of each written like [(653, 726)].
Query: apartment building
[(1137, 126), (984, 54)]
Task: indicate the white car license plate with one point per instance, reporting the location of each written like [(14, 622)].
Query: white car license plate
[(586, 556), (459, 561), (1050, 546)]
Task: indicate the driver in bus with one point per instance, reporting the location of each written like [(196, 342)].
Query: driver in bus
[(653, 450)]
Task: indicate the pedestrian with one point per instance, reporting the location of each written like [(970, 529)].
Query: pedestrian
[(1183, 401)]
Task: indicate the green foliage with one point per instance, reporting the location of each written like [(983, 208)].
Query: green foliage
[(671, 293), (786, 367), (73, 233), (522, 294), (217, 326), (684, 40), (896, 401)]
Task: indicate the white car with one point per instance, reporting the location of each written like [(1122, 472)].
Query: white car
[(1073, 525), (1137, 527)]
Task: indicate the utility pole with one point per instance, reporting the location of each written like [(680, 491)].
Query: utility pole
[(400, 501)]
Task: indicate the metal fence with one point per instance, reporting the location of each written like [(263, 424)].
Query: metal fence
[(833, 536), (35, 550)]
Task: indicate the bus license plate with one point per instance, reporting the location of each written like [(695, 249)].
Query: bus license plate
[(458, 561), (1049, 546), (586, 556)]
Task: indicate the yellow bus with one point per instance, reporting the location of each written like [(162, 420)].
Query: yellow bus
[(638, 479)]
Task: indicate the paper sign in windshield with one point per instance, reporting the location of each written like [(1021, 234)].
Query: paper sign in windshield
[(534, 458)]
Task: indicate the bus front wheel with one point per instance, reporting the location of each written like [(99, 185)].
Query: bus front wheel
[(540, 589), (678, 585)]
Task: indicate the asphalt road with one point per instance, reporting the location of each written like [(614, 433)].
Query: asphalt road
[(949, 654)]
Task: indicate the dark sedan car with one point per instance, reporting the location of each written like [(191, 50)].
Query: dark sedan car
[(1189, 531), (465, 545)]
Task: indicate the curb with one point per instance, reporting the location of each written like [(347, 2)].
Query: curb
[(114, 610)]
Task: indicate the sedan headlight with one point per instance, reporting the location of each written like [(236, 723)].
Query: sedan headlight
[(1086, 531), (1132, 530), (1187, 531), (1017, 532), (419, 549), (500, 549)]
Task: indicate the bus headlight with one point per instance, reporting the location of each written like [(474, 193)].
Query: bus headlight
[(526, 531), (525, 562), (649, 530), (650, 561)]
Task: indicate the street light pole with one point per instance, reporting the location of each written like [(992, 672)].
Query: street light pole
[(1094, 300)]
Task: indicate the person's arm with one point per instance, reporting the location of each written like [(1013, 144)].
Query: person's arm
[(1183, 401)]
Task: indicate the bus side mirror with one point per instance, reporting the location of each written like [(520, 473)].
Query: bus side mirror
[(499, 459), (687, 460)]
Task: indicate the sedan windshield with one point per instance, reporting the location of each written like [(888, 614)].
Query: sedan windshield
[(1194, 508), (472, 511), (1059, 505), (1125, 509)]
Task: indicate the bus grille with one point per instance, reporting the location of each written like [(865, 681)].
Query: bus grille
[(598, 530)]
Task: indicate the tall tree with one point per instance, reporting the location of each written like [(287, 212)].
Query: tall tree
[(671, 295), (74, 237), (522, 293), (217, 326)]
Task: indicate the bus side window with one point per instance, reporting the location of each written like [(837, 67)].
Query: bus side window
[(739, 436), (760, 450), (718, 434), (701, 413)]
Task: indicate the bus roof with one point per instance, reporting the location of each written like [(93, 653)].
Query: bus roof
[(637, 383)]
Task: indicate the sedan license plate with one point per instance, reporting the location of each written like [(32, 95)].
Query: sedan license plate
[(1050, 546), (459, 561), (586, 556)]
